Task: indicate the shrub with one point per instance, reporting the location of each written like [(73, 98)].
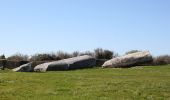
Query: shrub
[(35, 63), (75, 53), (2, 57), (132, 51), (87, 53), (62, 55), (18, 57), (49, 57), (161, 60), (108, 54), (99, 53), (43, 57), (3, 63), (10, 64), (104, 54)]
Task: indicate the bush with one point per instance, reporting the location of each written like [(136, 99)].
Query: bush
[(3, 63), (87, 53), (98, 53), (43, 57), (161, 60), (75, 53), (35, 63), (2, 57), (58, 56), (132, 51), (108, 54), (18, 57), (62, 55), (104, 54)]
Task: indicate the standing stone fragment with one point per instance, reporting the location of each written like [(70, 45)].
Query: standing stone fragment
[(129, 60)]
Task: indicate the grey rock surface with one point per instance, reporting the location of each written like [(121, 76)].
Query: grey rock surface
[(24, 68), (129, 60), (67, 64)]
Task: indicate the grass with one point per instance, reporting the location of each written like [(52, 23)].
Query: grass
[(140, 83)]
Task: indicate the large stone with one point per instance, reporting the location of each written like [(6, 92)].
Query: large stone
[(67, 64), (24, 68), (129, 60)]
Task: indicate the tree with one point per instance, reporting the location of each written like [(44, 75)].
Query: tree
[(108, 54), (75, 53), (2, 57), (43, 57), (104, 54), (18, 57)]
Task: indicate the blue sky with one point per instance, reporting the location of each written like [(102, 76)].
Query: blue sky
[(37, 26)]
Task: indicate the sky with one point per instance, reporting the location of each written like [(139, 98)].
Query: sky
[(41, 26)]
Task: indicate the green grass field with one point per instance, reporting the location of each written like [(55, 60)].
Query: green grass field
[(140, 83)]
